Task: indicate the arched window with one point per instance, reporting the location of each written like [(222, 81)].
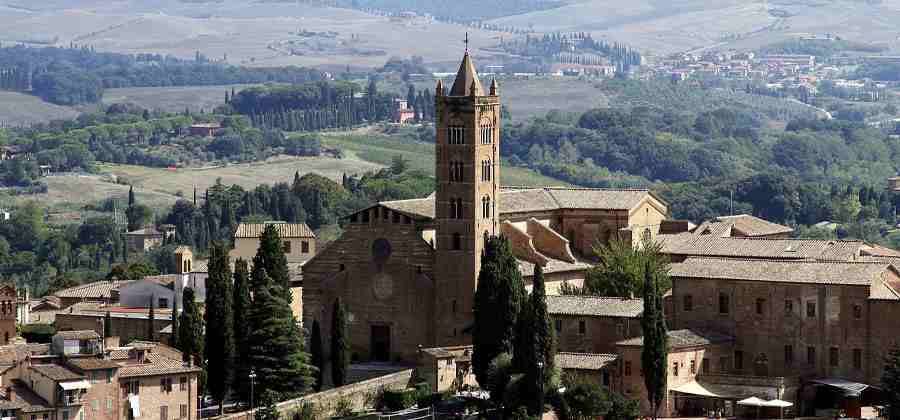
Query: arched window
[(486, 170), (459, 208), (456, 135), (486, 207), (457, 242), (453, 211)]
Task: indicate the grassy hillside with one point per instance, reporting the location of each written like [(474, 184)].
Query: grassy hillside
[(171, 99), (19, 109)]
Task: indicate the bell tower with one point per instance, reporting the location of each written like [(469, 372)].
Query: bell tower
[(467, 163)]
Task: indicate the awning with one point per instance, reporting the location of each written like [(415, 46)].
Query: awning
[(778, 403), (694, 388), (81, 384), (851, 389), (135, 403), (752, 402)]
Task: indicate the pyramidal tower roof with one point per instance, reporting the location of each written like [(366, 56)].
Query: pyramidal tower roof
[(465, 78)]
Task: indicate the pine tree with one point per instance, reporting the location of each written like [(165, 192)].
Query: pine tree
[(219, 324), (151, 321), (190, 328), (655, 350), (316, 354), (276, 347), (241, 305), (270, 264), (340, 359), (498, 299)]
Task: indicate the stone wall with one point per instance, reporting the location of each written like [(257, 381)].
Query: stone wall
[(600, 333), (361, 396)]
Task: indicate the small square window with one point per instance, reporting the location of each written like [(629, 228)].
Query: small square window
[(857, 359), (833, 357), (788, 306), (760, 306), (304, 247), (675, 369), (627, 368), (811, 356), (724, 304), (693, 367), (688, 303), (810, 309), (287, 247), (558, 325), (582, 327), (857, 312)]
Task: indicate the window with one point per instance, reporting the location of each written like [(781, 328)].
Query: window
[(163, 303), (486, 207), (487, 135), (620, 328), (760, 303), (365, 216), (96, 405), (810, 309), (788, 306), (354, 218), (811, 356), (384, 214), (81, 414), (164, 412), (675, 369), (723, 364), (723, 303), (833, 359), (456, 171), (857, 312), (788, 355), (738, 360), (704, 366), (453, 305), (486, 169), (688, 303), (304, 247), (287, 247), (582, 327), (457, 242), (109, 404), (558, 323), (456, 135), (693, 367), (182, 383), (857, 359), (627, 368), (184, 411), (165, 384)]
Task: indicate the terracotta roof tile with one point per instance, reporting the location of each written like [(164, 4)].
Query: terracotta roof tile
[(711, 245), (79, 335), (57, 372), (595, 306), (753, 226), (553, 266), (285, 230), (90, 363), (811, 272), (684, 338), (156, 365), (584, 361), (95, 290)]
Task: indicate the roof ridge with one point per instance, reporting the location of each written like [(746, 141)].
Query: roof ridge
[(565, 188), (784, 260)]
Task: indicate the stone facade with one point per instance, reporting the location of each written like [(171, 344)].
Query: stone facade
[(127, 326), (8, 312), (593, 334)]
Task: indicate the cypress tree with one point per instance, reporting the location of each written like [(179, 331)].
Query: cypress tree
[(151, 318), (316, 356), (498, 299), (544, 341), (241, 304), (107, 325), (131, 200), (270, 264), (890, 381), (174, 338), (340, 360), (276, 347), (655, 350), (190, 328), (220, 324)]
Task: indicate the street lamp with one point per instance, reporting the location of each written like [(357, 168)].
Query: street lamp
[(540, 366), (252, 377)]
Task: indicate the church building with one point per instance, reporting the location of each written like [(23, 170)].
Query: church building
[(407, 270)]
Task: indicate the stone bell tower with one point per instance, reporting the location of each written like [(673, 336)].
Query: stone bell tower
[(467, 166)]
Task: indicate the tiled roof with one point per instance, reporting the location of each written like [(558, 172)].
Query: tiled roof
[(29, 401), (753, 226), (285, 230), (595, 306), (527, 200), (150, 231), (465, 77), (167, 280), (553, 266), (811, 272), (91, 363), (711, 245), (684, 338), (156, 365), (79, 335), (12, 353), (584, 361), (881, 290), (95, 290), (57, 372)]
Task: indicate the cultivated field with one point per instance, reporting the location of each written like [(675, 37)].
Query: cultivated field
[(171, 99), (19, 109)]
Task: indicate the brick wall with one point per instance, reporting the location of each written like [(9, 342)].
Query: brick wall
[(600, 333), (127, 329), (153, 397), (361, 396)]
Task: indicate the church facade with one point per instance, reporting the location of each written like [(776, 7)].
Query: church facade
[(407, 270)]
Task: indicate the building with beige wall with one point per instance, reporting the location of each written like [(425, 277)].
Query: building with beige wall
[(298, 239)]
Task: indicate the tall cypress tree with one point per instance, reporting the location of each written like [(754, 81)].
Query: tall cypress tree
[(276, 347), (190, 327), (270, 263), (653, 355), (544, 341), (241, 305), (131, 200), (497, 303), (219, 324), (107, 325), (174, 338), (340, 359), (151, 318), (316, 354)]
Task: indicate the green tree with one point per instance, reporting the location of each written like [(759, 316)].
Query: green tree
[(276, 344), (316, 354), (219, 324), (151, 320), (655, 350), (540, 378), (586, 401), (174, 337), (498, 298), (131, 200), (107, 325), (190, 327), (890, 381), (620, 270), (138, 216), (270, 263), (268, 406), (340, 357), (241, 305)]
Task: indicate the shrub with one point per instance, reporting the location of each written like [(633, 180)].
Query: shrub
[(398, 400), (343, 407), (38, 333)]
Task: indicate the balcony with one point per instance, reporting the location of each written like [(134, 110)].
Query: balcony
[(68, 399)]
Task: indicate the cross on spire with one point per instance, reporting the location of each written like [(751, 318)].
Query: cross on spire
[(467, 42)]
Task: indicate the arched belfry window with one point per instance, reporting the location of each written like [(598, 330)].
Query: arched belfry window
[(457, 242), (456, 171), (487, 134), (486, 207), (486, 170), (456, 134)]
